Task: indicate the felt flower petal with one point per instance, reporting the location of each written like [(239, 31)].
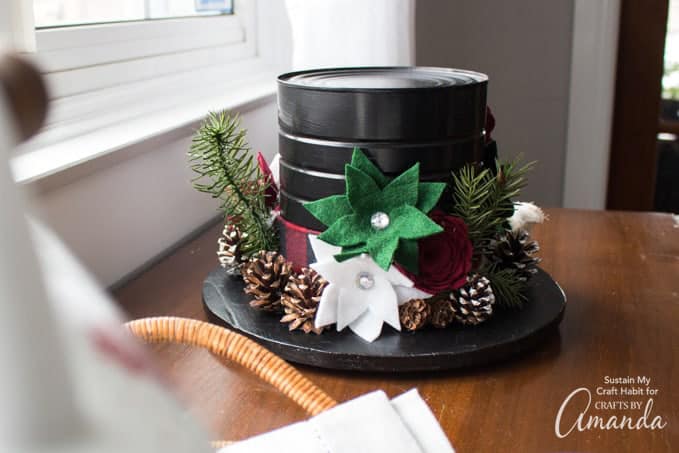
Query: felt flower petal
[(412, 223), (386, 308), (429, 194), (368, 326), (404, 294), (346, 231), (322, 250), (360, 161), (333, 273), (403, 189), (360, 187), (352, 304), (351, 252), (326, 313), (345, 274), (397, 277), (382, 248), (329, 209)]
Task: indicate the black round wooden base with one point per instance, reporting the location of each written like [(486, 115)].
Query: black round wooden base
[(507, 333)]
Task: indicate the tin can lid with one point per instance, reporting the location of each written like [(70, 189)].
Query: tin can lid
[(381, 78)]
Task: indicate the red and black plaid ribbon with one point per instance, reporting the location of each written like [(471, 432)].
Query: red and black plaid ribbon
[(294, 243)]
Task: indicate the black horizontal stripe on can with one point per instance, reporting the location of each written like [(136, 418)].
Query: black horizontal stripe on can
[(293, 210), (399, 103), (391, 157), (312, 184)]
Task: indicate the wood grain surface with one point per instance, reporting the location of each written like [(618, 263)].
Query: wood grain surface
[(620, 272)]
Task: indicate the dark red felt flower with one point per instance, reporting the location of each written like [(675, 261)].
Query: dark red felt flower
[(490, 124), (445, 258)]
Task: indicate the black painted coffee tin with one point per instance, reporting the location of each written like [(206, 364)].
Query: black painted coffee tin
[(397, 115), (392, 103), (391, 156), (314, 184)]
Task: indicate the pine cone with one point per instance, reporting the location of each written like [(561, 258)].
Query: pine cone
[(230, 248), (414, 314), (442, 313), (516, 250), (265, 276), (300, 300), (473, 303)]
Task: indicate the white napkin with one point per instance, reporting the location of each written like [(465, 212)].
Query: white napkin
[(370, 423)]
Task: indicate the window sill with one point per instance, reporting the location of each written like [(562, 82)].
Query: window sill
[(46, 164)]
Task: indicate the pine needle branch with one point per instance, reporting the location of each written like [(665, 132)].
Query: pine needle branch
[(509, 289), (225, 168), (484, 200)]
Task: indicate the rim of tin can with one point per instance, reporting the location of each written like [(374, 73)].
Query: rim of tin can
[(347, 144), (288, 79)]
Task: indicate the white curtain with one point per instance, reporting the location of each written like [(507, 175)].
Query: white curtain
[(16, 25), (336, 33)]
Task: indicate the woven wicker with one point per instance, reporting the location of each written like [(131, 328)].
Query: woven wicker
[(239, 349)]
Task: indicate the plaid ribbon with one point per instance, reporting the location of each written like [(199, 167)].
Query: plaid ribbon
[(294, 243)]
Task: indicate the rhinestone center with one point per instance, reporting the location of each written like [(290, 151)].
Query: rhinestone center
[(365, 280), (379, 220)]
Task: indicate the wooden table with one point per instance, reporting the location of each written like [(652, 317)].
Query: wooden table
[(620, 272)]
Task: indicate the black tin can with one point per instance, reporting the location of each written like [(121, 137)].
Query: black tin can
[(397, 115)]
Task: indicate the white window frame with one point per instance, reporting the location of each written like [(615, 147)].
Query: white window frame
[(105, 55), (106, 77), (113, 64)]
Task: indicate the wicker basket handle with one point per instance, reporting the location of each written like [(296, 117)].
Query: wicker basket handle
[(237, 348)]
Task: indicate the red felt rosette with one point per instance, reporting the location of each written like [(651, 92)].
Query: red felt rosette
[(445, 258)]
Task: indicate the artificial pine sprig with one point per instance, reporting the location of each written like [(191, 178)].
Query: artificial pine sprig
[(510, 180), (226, 169), (471, 192), (508, 287), (484, 200)]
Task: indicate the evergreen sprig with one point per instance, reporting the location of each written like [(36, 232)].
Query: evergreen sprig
[(484, 200), (509, 289), (226, 169), (471, 193)]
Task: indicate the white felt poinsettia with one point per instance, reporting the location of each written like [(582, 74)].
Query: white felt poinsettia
[(360, 294)]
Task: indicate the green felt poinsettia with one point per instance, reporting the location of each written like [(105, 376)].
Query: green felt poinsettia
[(405, 200)]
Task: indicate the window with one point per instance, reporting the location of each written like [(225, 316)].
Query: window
[(670, 81), (124, 74), (59, 13), (87, 45), (108, 62)]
